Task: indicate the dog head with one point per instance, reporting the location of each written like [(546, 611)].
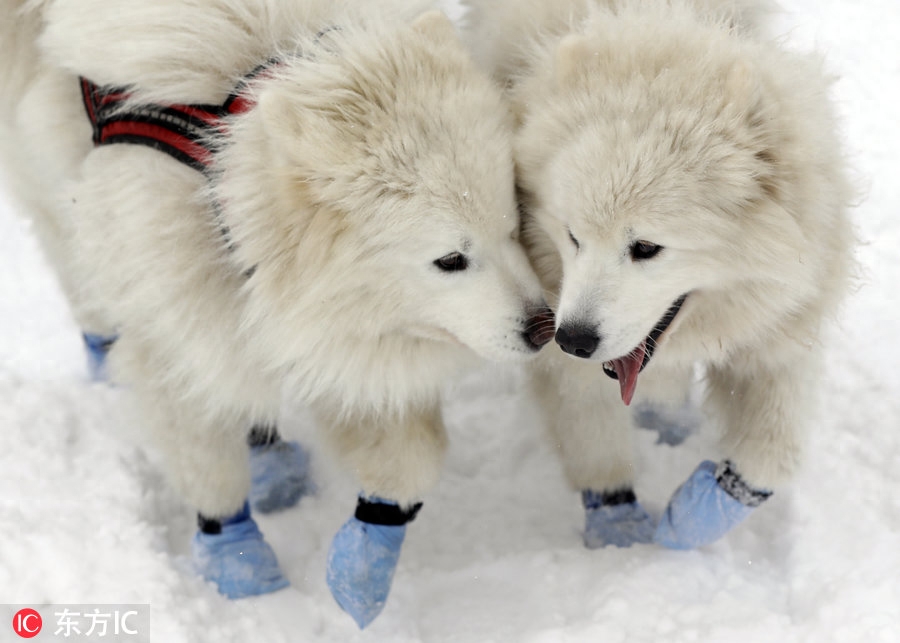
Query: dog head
[(371, 192), (662, 164)]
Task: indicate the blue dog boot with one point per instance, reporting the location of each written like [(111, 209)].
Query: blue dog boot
[(707, 506), (280, 473), (615, 518), (364, 555), (97, 347), (672, 426), (232, 553)]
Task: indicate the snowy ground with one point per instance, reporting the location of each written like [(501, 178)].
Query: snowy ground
[(495, 555)]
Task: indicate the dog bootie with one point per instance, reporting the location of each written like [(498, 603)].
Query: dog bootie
[(97, 347), (364, 555), (279, 472), (707, 506), (232, 554), (615, 518), (672, 426)]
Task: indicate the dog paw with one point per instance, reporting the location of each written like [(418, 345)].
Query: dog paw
[(280, 476), (97, 347), (364, 555), (237, 559), (707, 506), (615, 518)]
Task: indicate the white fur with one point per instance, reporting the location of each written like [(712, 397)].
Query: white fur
[(682, 124), (373, 150)]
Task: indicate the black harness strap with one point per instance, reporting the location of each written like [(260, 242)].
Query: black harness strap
[(184, 132)]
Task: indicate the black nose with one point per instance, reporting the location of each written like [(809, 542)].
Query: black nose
[(539, 326), (577, 339)]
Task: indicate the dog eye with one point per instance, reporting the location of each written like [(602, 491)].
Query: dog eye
[(574, 240), (641, 250), (452, 262)]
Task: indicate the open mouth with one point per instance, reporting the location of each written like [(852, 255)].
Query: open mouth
[(626, 368)]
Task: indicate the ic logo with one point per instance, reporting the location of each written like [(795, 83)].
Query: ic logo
[(27, 623)]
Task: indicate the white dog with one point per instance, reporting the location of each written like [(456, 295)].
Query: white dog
[(685, 201), (310, 193)]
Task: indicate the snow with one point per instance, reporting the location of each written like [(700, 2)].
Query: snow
[(495, 554)]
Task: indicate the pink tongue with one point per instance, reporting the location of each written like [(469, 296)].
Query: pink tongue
[(627, 368)]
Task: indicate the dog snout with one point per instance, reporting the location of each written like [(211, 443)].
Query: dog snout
[(539, 326), (578, 339)]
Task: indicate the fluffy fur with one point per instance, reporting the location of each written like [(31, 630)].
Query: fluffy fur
[(375, 149), (681, 124)]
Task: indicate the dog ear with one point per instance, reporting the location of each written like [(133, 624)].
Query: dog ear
[(570, 55), (435, 25), (746, 96), (295, 132)]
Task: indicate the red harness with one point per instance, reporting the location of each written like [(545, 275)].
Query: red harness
[(184, 132), (187, 133)]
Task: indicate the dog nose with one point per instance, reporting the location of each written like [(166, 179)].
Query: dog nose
[(539, 326), (577, 339)]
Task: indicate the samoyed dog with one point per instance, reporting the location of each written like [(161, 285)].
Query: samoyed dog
[(266, 194), (685, 202)]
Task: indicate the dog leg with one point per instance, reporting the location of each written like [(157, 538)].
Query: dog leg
[(709, 504), (279, 471), (231, 552), (228, 548), (397, 463), (364, 555), (206, 456), (763, 410), (615, 518), (591, 430)]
